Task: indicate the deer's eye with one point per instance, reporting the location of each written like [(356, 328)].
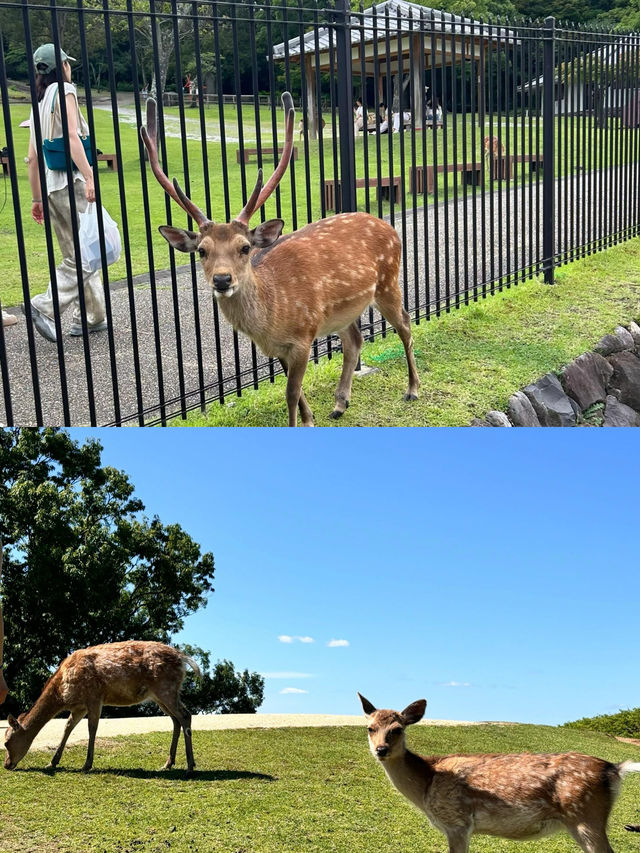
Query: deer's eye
[(371, 730), (245, 249), (202, 253)]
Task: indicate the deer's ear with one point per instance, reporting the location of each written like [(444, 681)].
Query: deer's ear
[(367, 707), (267, 233), (183, 241), (414, 712), (15, 725)]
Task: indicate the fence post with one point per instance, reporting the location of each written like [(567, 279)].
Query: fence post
[(345, 106), (548, 147)]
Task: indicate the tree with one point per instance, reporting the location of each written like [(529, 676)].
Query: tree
[(221, 690), (83, 565)]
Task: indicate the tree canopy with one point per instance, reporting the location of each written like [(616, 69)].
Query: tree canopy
[(83, 563)]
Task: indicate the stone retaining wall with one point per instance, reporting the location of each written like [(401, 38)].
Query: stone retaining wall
[(599, 388)]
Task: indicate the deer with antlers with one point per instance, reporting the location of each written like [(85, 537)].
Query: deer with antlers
[(520, 797), (283, 292)]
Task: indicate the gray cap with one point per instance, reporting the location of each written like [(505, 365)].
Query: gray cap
[(44, 58)]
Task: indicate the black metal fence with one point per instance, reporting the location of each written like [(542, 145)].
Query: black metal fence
[(498, 150)]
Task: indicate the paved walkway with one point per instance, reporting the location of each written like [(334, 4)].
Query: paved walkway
[(50, 736)]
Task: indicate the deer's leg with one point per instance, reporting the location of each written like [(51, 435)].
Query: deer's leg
[(93, 716), (174, 739), (75, 716), (297, 362), (351, 346), (458, 839), (591, 839), (305, 412), (171, 704), (389, 301), (184, 718)]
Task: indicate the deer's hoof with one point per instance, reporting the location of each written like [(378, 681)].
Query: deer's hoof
[(408, 397), (335, 414)]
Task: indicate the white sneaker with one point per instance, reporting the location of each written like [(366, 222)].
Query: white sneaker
[(45, 326), (76, 328)]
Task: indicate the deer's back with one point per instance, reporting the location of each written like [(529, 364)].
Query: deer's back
[(330, 270), (523, 795), (119, 673)]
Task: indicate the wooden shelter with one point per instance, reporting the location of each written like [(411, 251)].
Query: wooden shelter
[(385, 37)]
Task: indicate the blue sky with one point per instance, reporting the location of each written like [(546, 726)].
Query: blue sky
[(493, 572)]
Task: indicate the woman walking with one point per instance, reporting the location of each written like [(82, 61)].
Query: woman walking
[(43, 306)]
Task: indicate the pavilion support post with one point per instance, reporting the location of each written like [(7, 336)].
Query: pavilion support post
[(417, 84), (481, 79), (312, 116)]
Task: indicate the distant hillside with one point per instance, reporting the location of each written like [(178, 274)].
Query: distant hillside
[(623, 724)]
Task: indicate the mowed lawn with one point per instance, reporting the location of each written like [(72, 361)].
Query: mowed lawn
[(271, 790)]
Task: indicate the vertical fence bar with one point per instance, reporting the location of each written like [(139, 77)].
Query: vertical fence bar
[(345, 110), (548, 127)]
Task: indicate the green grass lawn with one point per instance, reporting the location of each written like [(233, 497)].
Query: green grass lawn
[(265, 791), (471, 360), (308, 195)]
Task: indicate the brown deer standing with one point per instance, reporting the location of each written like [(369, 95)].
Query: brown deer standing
[(119, 674), (4, 690), (284, 293), (520, 797)]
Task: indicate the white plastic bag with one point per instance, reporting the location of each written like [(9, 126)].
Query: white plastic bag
[(90, 239)]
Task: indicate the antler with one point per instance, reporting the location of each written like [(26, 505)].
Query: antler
[(149, 136), (260, 194)]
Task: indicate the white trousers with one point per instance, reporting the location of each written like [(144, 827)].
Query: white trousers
[(66, 273)]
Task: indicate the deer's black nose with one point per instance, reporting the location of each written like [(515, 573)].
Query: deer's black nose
[(381, 751), (222, 282)]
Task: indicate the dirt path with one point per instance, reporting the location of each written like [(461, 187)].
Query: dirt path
[(50, 736)]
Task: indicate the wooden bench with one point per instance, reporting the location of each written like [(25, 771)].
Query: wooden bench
[(332, 193), (110, 159), (471, 173), (247, 153), (536, 161)]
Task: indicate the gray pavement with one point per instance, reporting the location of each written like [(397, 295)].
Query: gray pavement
[(428, 241)]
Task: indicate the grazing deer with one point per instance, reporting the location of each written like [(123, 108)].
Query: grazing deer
[(520, 797), (493, 147), (284, 293), (4, 690), (110, 674)]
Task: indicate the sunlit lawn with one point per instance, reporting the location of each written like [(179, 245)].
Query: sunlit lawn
[(265, 791)]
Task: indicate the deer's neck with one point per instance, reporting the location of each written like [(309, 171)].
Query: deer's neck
[(47, 707), (411, 775), (249, 309)]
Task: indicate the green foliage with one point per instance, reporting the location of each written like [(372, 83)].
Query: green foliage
[(220, 690), (623, 724), (84, 565), (299, 790)]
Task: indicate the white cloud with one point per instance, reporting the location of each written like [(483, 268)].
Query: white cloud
[(287, 674), (456, 684), (285, 638), (293, 690), (335, 644)]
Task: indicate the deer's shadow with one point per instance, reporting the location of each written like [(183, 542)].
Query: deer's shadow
[(176, 775)]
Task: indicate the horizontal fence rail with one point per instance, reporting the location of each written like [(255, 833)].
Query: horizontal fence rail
[(498, 150)]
